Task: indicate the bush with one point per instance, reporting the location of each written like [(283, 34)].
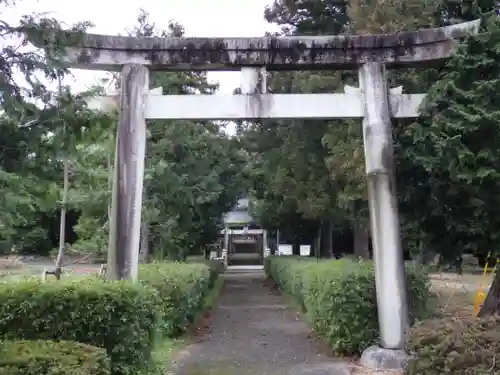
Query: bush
[(117, 316), (338, 297), (52, 358), (181, 288), (287, 272), (455, 346)]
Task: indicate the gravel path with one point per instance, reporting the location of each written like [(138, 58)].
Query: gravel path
[(253, 332)]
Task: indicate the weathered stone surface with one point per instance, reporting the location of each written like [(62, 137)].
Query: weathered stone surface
[(106, 52), (125, 228), (252, 332), (277, 106), (384, 218), (326, 368), (377, 358)]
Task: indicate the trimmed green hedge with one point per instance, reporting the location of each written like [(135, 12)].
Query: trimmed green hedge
[(338, 298), (117, 316), (120, 317), (52, 358), (181, 288)]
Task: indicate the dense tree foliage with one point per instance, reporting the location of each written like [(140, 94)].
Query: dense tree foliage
[(455, 148), (32, 120), (311, 173), (58, 157)]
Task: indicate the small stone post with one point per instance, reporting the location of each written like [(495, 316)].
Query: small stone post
[(224, 258), (125, 225), (226, 238), (264, 239), (44, 275), (387, 252)]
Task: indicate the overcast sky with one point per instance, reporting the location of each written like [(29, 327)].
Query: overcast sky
[(204, 18)]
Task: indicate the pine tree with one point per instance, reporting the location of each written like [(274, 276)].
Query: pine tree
[(458, 146)]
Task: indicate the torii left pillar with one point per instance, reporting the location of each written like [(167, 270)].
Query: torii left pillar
[(125, 222)]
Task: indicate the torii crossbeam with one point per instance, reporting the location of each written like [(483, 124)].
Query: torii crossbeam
[(264, 106)]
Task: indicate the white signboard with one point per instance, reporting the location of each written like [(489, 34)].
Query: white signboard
[(305, 250), (285, 250)]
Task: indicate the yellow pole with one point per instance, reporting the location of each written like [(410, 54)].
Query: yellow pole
[(480, 295)]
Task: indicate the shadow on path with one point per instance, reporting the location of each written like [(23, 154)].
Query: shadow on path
[(253, 333)]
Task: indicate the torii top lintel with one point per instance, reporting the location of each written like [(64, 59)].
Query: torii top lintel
[(106, 52)]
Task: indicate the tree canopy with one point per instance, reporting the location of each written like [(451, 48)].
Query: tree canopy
[(305, 177), (311, 173), (193, 169)]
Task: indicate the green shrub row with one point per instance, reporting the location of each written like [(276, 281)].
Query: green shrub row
[(338, 298), (117, 316), (181, 290), (39, 357), (121, 317)]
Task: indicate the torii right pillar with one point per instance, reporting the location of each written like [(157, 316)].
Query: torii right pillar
[(384, 220)]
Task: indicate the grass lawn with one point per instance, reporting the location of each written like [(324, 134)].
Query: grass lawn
[(163, 353), (25, 273), (9, 275)]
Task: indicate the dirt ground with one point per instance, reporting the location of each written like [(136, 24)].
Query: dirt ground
[(454, 294), (466, 280)]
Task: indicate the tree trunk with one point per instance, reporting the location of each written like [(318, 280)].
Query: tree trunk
[(329, 239), (361, 241), (145, 242), (110, 185), (317, 245), (491, 304), (419, 258), (62, 224), (111, 271), (418, 261)]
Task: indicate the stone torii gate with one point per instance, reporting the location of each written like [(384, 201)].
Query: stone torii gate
[(370, 54)]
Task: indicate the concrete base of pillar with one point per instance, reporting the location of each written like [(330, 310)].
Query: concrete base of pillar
[(378, 358)]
